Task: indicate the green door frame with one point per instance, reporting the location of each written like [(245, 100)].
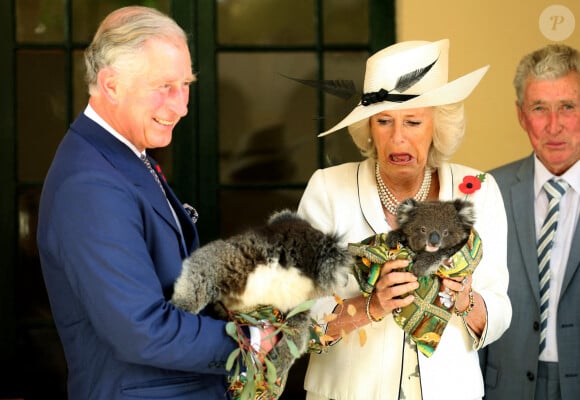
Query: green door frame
[(8, 209)]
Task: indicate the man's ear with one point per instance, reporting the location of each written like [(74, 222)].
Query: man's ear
[(521, 116), (107, 79)]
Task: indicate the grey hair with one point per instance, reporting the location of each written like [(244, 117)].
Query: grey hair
[(549, 62), (448, 132), (123, 33)]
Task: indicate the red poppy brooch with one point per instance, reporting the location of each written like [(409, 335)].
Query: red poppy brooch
[(471, 184)]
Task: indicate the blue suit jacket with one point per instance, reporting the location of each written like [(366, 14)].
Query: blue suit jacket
[(110, 251), (510, 364)]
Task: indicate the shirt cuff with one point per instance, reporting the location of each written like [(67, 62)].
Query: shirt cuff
[(255, 339)]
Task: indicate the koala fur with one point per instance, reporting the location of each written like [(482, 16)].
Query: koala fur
[(282, 263), (433, 230)]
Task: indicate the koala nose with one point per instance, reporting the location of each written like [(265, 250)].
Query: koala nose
[(434, 238)]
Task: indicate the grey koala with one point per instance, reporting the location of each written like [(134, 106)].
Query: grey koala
[(282, 263), (433, 230)]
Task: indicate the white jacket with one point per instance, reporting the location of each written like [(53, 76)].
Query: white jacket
[(344, 200)]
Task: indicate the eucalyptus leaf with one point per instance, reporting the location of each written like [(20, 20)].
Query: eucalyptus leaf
[(231, 330), (232, 358), (250, 319), (249, 390), (271, 375), (237, 370), (275, 333), (307, 305), (292, 347)]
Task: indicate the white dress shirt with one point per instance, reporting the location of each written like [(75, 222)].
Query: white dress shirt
[(567, 220)]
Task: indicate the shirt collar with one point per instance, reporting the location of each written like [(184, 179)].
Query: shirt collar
[(92, 114), (542, 175)]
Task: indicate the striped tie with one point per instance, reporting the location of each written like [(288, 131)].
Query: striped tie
[(150, 168), (555, 190)]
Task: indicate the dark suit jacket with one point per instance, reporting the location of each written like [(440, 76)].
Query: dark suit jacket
[(510, 364), (110, 251)]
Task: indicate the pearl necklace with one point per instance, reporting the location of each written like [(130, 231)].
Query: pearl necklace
[(389, 200)]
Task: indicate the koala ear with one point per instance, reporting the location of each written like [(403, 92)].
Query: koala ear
[(281, 216), (406, 209), (466, 212)]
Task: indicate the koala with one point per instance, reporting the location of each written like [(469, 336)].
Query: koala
[(282, 263), (433, 230)]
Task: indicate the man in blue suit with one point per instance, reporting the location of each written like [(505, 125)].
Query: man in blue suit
[(112, 234), (521, 364)]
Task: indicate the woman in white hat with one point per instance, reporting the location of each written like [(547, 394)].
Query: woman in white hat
[(408, 124)]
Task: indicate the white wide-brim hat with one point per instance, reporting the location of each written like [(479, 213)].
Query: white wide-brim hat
[(406, 75)]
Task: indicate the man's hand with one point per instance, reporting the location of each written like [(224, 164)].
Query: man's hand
[(263, 339)]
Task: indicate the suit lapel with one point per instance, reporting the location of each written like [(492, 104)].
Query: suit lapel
[(130, 166), (573, 260), (187, 227), (522, 193)]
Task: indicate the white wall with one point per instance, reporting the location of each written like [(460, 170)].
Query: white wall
[(495, 32)]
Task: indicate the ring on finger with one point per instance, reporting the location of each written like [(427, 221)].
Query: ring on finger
[(447, 298)]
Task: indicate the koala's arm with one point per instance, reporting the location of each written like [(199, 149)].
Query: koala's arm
[(427, 263), (281, 355), (198, 285), (396, 236)]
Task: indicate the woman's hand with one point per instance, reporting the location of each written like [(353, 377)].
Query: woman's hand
[(459, 288), (474, 314), (391, 286), (268, 339)]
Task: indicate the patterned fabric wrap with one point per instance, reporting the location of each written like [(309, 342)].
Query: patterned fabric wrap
[(426, 318)]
